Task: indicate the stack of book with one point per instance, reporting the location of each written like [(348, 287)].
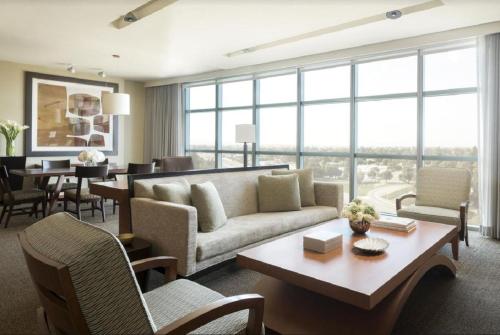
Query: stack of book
[(395, 223)]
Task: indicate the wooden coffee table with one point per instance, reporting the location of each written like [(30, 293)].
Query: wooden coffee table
[(344, 291)]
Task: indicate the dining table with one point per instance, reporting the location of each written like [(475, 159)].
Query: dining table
[(43, 175)]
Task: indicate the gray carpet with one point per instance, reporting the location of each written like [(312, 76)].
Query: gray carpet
[(468, 304)]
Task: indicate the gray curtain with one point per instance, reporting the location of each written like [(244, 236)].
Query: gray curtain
[(163, 122), (489, 136)]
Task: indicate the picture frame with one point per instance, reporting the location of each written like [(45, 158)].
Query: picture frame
[(64, 115)]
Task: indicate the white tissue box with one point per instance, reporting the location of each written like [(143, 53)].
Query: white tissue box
[(322, 241)]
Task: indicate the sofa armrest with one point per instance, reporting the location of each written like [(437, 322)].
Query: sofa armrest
[(170, 228), (329, 194)]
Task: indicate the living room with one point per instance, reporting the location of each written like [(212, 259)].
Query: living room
[(250, 166)]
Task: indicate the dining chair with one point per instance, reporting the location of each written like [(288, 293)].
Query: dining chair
[(136, 168), (58, 164), (13, 198), (11, 163), (87, 285), (82, 195), (177, 163), (442, 196)]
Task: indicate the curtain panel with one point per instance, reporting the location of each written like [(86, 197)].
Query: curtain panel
[(489, 136), (163, 122)]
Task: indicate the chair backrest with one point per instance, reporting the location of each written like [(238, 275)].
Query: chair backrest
[(84, 279), (98, 171), (59, 164), (134, 168), (5, 187), (11, 163), (104, 162), (443, 187), (172, 164)]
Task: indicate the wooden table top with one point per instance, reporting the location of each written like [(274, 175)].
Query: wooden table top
[(38, 172), (111, 184), (345, 274)]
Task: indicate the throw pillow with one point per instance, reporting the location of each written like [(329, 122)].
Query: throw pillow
[(178, 192), (306, 185), (211, 214), (279, 193)]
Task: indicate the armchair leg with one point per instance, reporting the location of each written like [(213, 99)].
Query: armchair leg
[(9, 214), (454, 247), (466, 235), (3, 213), (44, 207), (103, 211)]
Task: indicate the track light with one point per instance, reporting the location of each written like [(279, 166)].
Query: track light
[(393, 14), (71, 68)]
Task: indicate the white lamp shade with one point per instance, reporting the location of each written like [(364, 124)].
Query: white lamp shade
[(115, 103), (245, 133)]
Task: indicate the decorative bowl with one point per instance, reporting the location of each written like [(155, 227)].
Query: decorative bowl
[(126, 238), (359, 227), (371, 245)]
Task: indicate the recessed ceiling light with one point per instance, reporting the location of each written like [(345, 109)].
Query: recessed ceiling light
[(101, 74), (71, 69), (393, 14)]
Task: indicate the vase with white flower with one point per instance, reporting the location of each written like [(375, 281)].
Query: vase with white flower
[(91, 157), (360, 215), (10, 129)]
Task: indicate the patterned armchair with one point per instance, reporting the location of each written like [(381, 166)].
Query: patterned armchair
[(86, 285), (442, 196)]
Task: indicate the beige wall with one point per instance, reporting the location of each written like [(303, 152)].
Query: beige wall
[(131, 127)]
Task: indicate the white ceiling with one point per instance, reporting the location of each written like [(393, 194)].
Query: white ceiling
[(193, 36)]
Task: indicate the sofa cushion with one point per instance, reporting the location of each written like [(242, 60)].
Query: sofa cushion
[(279, 193), (237, 201), (306, 184), (244, 230), (211, 213), (432, 214), (177, 299), (178, 192)]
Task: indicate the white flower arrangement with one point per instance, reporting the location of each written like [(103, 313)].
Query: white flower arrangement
[(10, 129), (92, 156), (357, 211)]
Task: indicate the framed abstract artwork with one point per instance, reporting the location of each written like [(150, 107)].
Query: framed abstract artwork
[(65, 116)]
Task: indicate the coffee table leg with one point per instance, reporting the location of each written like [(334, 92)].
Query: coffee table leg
[(293, 310)]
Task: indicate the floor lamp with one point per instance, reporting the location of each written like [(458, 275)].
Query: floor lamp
[(245, 133)]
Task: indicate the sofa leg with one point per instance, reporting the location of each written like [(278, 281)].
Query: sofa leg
[(454, 247)]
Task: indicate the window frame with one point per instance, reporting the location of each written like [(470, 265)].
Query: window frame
[(353, 100)]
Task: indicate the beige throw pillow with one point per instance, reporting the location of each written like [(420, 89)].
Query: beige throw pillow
[(279, 193), (306, 185), (211, 214), (178, 192)]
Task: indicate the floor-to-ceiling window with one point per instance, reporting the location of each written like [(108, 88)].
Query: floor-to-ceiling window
[(367, 123)]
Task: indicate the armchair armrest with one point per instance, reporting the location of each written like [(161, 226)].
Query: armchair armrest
[(194, 320), (401, 198), (168, 263)]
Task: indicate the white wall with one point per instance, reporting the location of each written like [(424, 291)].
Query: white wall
[(131, 127)]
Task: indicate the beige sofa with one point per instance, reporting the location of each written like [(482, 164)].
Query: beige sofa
[(173, 229)]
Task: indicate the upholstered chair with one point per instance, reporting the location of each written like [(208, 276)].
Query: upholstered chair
[(86, 285), (442, 196)]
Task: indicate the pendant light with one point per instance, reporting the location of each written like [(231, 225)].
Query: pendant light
[(115, 103)]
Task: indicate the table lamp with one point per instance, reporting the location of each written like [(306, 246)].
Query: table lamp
[(245, 133)]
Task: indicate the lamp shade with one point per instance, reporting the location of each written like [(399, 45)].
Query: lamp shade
[(115, 103), (245, 133)]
